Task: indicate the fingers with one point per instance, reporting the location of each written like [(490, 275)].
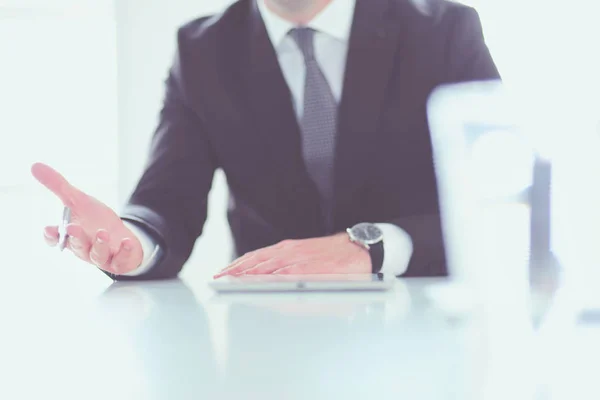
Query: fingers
[(245, 258), (266, 267), (258, 256), (119, 262), (100, 253), (296, 269), (56, 183), (122, 261), (51, 235), (79, 243), (241, 265), (240, 260), (263, 261)]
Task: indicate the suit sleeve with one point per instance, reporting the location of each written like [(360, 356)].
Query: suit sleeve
[(467, 59), (170, 200), (428, 257)]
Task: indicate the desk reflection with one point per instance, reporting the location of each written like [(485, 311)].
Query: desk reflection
[(308, 346), (168, 333), (341, 346)]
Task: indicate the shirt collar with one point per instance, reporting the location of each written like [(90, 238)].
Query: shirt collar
[(335, 20)]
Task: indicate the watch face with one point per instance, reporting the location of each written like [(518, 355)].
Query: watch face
[(367, 233)]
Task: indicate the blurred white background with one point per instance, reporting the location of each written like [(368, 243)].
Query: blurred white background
[(81, 83)]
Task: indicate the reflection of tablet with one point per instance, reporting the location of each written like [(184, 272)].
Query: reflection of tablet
[(302, 283)]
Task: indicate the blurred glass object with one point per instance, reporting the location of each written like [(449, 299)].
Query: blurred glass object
[(495, 190), (553, 74), (484, 165), (517, 174)]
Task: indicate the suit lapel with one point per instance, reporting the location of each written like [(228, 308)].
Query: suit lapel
[(374, 42), (276, 127)]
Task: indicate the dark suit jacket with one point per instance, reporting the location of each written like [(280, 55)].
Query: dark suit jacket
[(227, 106)]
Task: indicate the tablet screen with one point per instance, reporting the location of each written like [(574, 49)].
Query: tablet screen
[(304, 278), (302, 282)]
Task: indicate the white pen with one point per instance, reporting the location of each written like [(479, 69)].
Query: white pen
[(62, 229)]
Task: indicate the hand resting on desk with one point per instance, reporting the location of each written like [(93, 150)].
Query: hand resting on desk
[(327, 255), (97, 234)]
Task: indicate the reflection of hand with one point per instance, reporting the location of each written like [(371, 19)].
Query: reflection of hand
[(160, 334), (96, 233), (328, 255), (127, 306), (160, 296)]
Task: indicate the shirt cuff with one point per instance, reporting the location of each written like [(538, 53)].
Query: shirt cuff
[(149, 248), (397, 249)]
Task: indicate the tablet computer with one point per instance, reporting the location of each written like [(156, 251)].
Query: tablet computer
[(303, 283)]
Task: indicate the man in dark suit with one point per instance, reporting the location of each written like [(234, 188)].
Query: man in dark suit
[(316, 112)]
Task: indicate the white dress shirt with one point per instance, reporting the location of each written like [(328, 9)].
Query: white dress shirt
[(332, 26)]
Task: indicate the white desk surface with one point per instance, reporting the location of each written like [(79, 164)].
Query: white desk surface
[(68, 333)]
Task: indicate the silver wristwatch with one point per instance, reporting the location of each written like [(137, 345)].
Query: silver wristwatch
[(369, 236)]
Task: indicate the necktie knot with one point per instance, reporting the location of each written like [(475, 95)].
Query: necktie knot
[(304, 38)]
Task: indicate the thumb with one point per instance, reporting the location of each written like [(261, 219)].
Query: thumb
[(56, 183)]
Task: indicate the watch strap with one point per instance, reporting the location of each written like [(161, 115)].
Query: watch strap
[(377, 254)]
